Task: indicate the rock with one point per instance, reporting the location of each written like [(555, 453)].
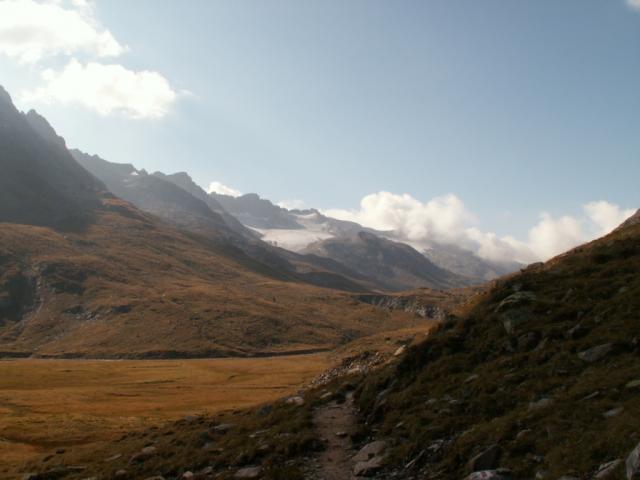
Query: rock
[(60, 451), (576, 332), (188, 475), (528, 341), (369, 467), (568, 477), (471, 378), (223, 428), (596, 353), (121, 474), (156, 477), (606, 469), (516, 300), (248, 472), (500, 474), (400, 351), (542, 403), (297, 400), (523, 433), (485, 460), (265, 410), (144, 455), (512, 319), (370, 450), (633, 384), (614, 412), (633, 464)]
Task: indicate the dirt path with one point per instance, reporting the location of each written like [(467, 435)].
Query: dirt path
[(334, 423)]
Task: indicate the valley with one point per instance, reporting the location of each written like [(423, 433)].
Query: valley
[(48, 405)]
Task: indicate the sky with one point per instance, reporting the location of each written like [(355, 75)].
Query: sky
[(498, 124)]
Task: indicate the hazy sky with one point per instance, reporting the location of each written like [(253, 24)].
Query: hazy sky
[(516, 108)]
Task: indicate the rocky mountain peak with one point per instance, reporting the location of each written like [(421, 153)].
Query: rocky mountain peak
[(43, 127)]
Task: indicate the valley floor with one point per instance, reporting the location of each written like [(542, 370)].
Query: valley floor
[(47, 405)]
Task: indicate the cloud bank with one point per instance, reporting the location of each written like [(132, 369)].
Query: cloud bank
[(35, 32), (30, 31), (447, 220), (107, 89), (221, 189)]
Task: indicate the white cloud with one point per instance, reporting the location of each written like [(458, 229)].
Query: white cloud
[(446, 220), (217, 187), (32, 30), (106, 89), (292, 204), (634, 4), (605, 215)]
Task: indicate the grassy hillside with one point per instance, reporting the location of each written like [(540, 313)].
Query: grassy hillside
[(129, 286), (546, 366)]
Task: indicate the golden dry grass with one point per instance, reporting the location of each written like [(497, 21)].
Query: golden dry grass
[(50, 404)]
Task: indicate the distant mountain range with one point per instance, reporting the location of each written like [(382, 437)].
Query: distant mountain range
[(305, 242)]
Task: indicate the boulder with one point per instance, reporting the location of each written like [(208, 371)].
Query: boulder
[(370, 450), (248, 472), (596, 353), (369, 467), (485, 460), (633, 464), (121, 474)]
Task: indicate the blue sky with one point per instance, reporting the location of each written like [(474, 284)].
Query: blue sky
[(516, 108)]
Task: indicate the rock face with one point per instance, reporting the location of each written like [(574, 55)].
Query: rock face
[(409, 304)]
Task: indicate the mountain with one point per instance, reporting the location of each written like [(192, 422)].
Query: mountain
[(184, 181), (41, 184), (256, 212), (297, 230), (394, 265), (155, 195), (84, 273), (535, 377), (177, 199)]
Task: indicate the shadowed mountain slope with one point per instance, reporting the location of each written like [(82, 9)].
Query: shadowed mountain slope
[(40, 183)]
